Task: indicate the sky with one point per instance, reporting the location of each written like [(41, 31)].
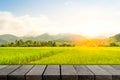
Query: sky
[(85, 17)]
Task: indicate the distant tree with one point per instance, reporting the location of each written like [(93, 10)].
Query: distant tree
[(54, 44), (113, 44), (2, 45), (30, 43), (11, 44), (21, 41)]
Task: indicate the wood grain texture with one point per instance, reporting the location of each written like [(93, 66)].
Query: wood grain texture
[(110, 69), (68, 72), (100, 74), (19, 74), (84, 73), (52, 72), (117, 67), (36, 72), (3, 66), (60, 72), (7, 70)]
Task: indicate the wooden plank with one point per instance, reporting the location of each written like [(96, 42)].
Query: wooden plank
[(52, 72), (3, 66), (68, 72), (6, 70), (100, 74), (19, 74), (115, 73), (84, 73), (110, 69), (36, 72), (117, 67)]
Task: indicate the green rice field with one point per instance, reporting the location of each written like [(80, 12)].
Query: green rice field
[(59, 55)]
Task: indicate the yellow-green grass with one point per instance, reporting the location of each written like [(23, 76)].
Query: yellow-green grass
[(59, 55)]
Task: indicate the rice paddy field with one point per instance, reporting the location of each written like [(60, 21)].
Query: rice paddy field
[(59, 55)]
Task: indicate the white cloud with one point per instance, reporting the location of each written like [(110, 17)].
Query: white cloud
[(84, 20), (22, 25)]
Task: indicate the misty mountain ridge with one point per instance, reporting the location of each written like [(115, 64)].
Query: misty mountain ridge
[(6, 38)]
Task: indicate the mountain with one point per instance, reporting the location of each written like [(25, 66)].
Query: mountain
[(69, 37), (66, 37), (3, 41), (60, 37), (7, 38), (43, 37), (113, 40), (116, 38)]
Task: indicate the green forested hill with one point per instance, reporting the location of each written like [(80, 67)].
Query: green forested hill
[(3, 41), (8, 38), (43, 37), (114, 40)]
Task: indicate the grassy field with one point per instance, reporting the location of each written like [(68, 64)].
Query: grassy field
[(59, 55)]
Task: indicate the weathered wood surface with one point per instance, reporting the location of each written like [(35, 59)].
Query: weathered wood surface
[(115, 73), (20, 72), (4, 72), (68, 72), (52, 72), (84, 73), (36, 72), (59, 72), (100, 74)]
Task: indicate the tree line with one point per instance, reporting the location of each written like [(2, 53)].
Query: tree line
[(31, 43)]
